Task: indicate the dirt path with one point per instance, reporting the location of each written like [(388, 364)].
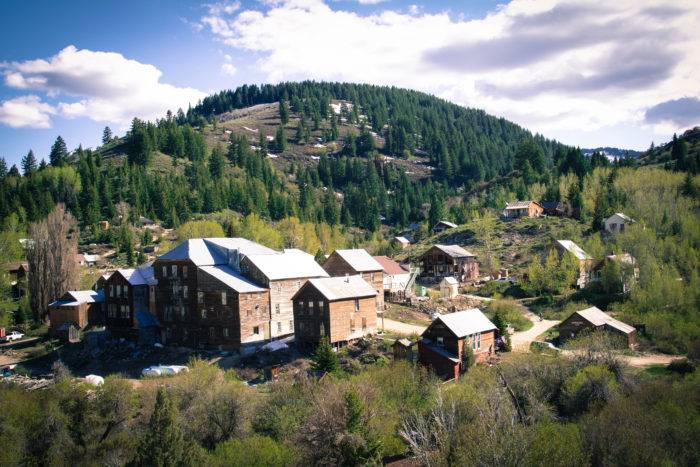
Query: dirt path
[(401, 328), (520, 341), (649, 359)]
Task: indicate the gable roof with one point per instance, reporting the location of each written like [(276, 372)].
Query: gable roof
[(341, 288), (598, 317), (142, 275), (521, 204), (454, 251), (243, 245), (622, 216), (359, 260), (447, 223), (574, 249), (78, 297), (290, 264), (227, 275), (389, 266), (449, 280), (402, 239), (197, 251), (551, 204), (464, 323)]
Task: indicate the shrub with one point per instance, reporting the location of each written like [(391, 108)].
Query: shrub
[(509, 312), (256, 450), (591, 386), (682, 366)]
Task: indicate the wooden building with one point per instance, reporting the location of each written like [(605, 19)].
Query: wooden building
[(443, 344), (449, 287), (403, 349), (130, 304), (401, 242), (358, 261), (80, 308), (441, 226), (522, 209), (595, 319), (584, 260), (396, 277), (340, 308), (283, 274), (449, 261), (617, 222), (553, 208)]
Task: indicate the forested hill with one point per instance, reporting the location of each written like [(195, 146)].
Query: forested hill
[(336, 153)]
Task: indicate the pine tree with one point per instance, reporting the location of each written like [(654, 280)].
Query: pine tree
[(284, 112), (29, 164), (436, 212), (325, 359), (217, 161), (3, 168), (162, 443), (280, 139), (59, 153), (106, 135)]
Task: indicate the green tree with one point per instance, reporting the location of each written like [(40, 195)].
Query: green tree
[(162, 444), (284, 112), (217, 161), (280, 139), (58, 156), (325, 359), (29, 164), (106, 135), (437, 211), (3, 168)]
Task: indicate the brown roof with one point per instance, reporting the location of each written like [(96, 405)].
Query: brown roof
[(389, 265)]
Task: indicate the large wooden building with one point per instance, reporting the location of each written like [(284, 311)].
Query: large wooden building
[(130, 303), (442, 345), (594, 318), (339, 308), (449, 261), (358, 262)]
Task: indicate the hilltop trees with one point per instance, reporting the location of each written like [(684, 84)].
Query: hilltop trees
[(58, 156), (51, 251), (29, 164), (106, 135)]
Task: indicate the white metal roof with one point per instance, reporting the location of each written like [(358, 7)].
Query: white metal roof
[(464, 323), (455, 251), (243, 245), (402, 240), (231, 278), (519, 204), (340, 288), (78, 297), (291, 264), (447, 223), (622, 216), (450, 280), (359, 260), (574, 249), (143, 275), (196, 250), (598, 317)]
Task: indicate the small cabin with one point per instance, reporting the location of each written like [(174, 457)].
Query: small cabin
[(584, 260), (592, 319), (401, 242), (617, 222), (403, 349), (449, 288), (442, 347), (81, 308), (441, 226), (523, 209)]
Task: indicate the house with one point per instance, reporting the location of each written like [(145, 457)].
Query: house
[(617, 222), (441, 226), (91, 260), (177, 275), (146, 222), (80, 308), (19, 271), (403, 349), (449, 261), (553, 208), (442, 345), (401, 242), (358, 261), (340, 308), (523, 209), (628, 268), (396, 278), (584, 260), (449, 287), (129, 302), (283, 274), (595, 319)]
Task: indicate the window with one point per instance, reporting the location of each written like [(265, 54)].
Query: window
[(212, 332), (110, 293), (440, 341), (200, 297), (300, 303), (168, 313), (364, 324), (357, 304), (183, 311), (119, 290), (225, 332), (371, 277), (165, 271), (185, 291), (125, 290), (173, 270), (204, 313), (184, 271), (257, 309), (223, 298), (320, 306), (352, 325), (279, 326), (291, 325), (256, 329), (279, 287), (277, 308), (298, 284)]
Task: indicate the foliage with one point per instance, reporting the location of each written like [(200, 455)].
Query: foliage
[(554, 276), (199, 229), (254, 451), (324, 358), (508, 312)]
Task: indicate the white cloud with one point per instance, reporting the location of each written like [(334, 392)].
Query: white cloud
[(228, 69), (109, 87), (370, 2), (551, 65), (26, 112)]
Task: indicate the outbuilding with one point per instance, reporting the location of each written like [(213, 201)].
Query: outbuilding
[(594, 318), (449, 287)]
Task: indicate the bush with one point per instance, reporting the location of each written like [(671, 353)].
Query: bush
[(510, 312), (682, 366), (591, 386), (256, 450)]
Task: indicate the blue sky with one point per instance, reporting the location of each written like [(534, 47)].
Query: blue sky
[(584, 72)]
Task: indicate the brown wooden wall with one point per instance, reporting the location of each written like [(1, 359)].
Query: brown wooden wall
[(436, 264), (336, 266), (112, 300), (180, 325)]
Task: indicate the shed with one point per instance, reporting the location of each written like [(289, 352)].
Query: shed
[(403, 349), (594, 318), (441, 226), (449, 287), (617, 222), (522, 209)]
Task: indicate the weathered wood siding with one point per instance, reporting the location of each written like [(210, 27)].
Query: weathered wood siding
[(175, 305), (336, 266), (436, 264)]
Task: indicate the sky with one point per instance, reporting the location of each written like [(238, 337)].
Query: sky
[(588, 73)]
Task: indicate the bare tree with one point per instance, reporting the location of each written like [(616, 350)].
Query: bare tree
[(51, 254)]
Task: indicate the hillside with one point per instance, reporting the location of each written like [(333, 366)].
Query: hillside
[(687, 143)]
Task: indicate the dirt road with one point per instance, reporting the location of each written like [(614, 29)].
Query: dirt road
[(401, 328), (520, 341)]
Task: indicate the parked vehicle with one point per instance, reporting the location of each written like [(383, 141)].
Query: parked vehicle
[(14, 336), (164, 370)]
